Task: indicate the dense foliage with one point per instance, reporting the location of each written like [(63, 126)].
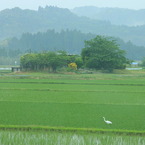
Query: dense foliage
[(47, 61), (99, 53), (103, 53)]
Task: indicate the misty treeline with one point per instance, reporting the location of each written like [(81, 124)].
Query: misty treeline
[(71, 41)]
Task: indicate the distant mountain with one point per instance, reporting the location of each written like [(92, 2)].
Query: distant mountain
[(14, 22), (117, 16)]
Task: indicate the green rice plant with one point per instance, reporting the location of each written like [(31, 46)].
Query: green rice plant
[(63, 138), (124, 117), (72, 101), (72, 96)]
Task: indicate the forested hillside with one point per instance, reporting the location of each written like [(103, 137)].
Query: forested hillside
[(117, 16), (71, 41), (14, 22)]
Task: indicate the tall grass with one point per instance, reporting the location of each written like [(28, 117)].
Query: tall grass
[(69, 138)]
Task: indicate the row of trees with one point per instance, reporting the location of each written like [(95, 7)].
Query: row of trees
[(99, 53), (48, 61)]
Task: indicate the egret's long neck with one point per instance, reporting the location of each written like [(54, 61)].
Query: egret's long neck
[(104, 118)]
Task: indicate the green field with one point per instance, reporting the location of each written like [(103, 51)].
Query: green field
[(73, 101)]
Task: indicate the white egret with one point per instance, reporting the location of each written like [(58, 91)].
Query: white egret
[(107, 121)]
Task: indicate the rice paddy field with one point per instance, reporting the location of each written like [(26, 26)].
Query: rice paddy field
[(69, 108)]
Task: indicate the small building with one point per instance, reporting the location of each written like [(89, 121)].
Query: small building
[(16, 69), (134, 64)]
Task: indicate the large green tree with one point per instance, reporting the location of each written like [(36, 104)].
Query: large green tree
[(103, 53)]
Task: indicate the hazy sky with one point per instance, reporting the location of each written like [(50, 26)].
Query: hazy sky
[(34, 4)]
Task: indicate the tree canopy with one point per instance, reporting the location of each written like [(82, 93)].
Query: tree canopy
[(103, 53), (48, 61)]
